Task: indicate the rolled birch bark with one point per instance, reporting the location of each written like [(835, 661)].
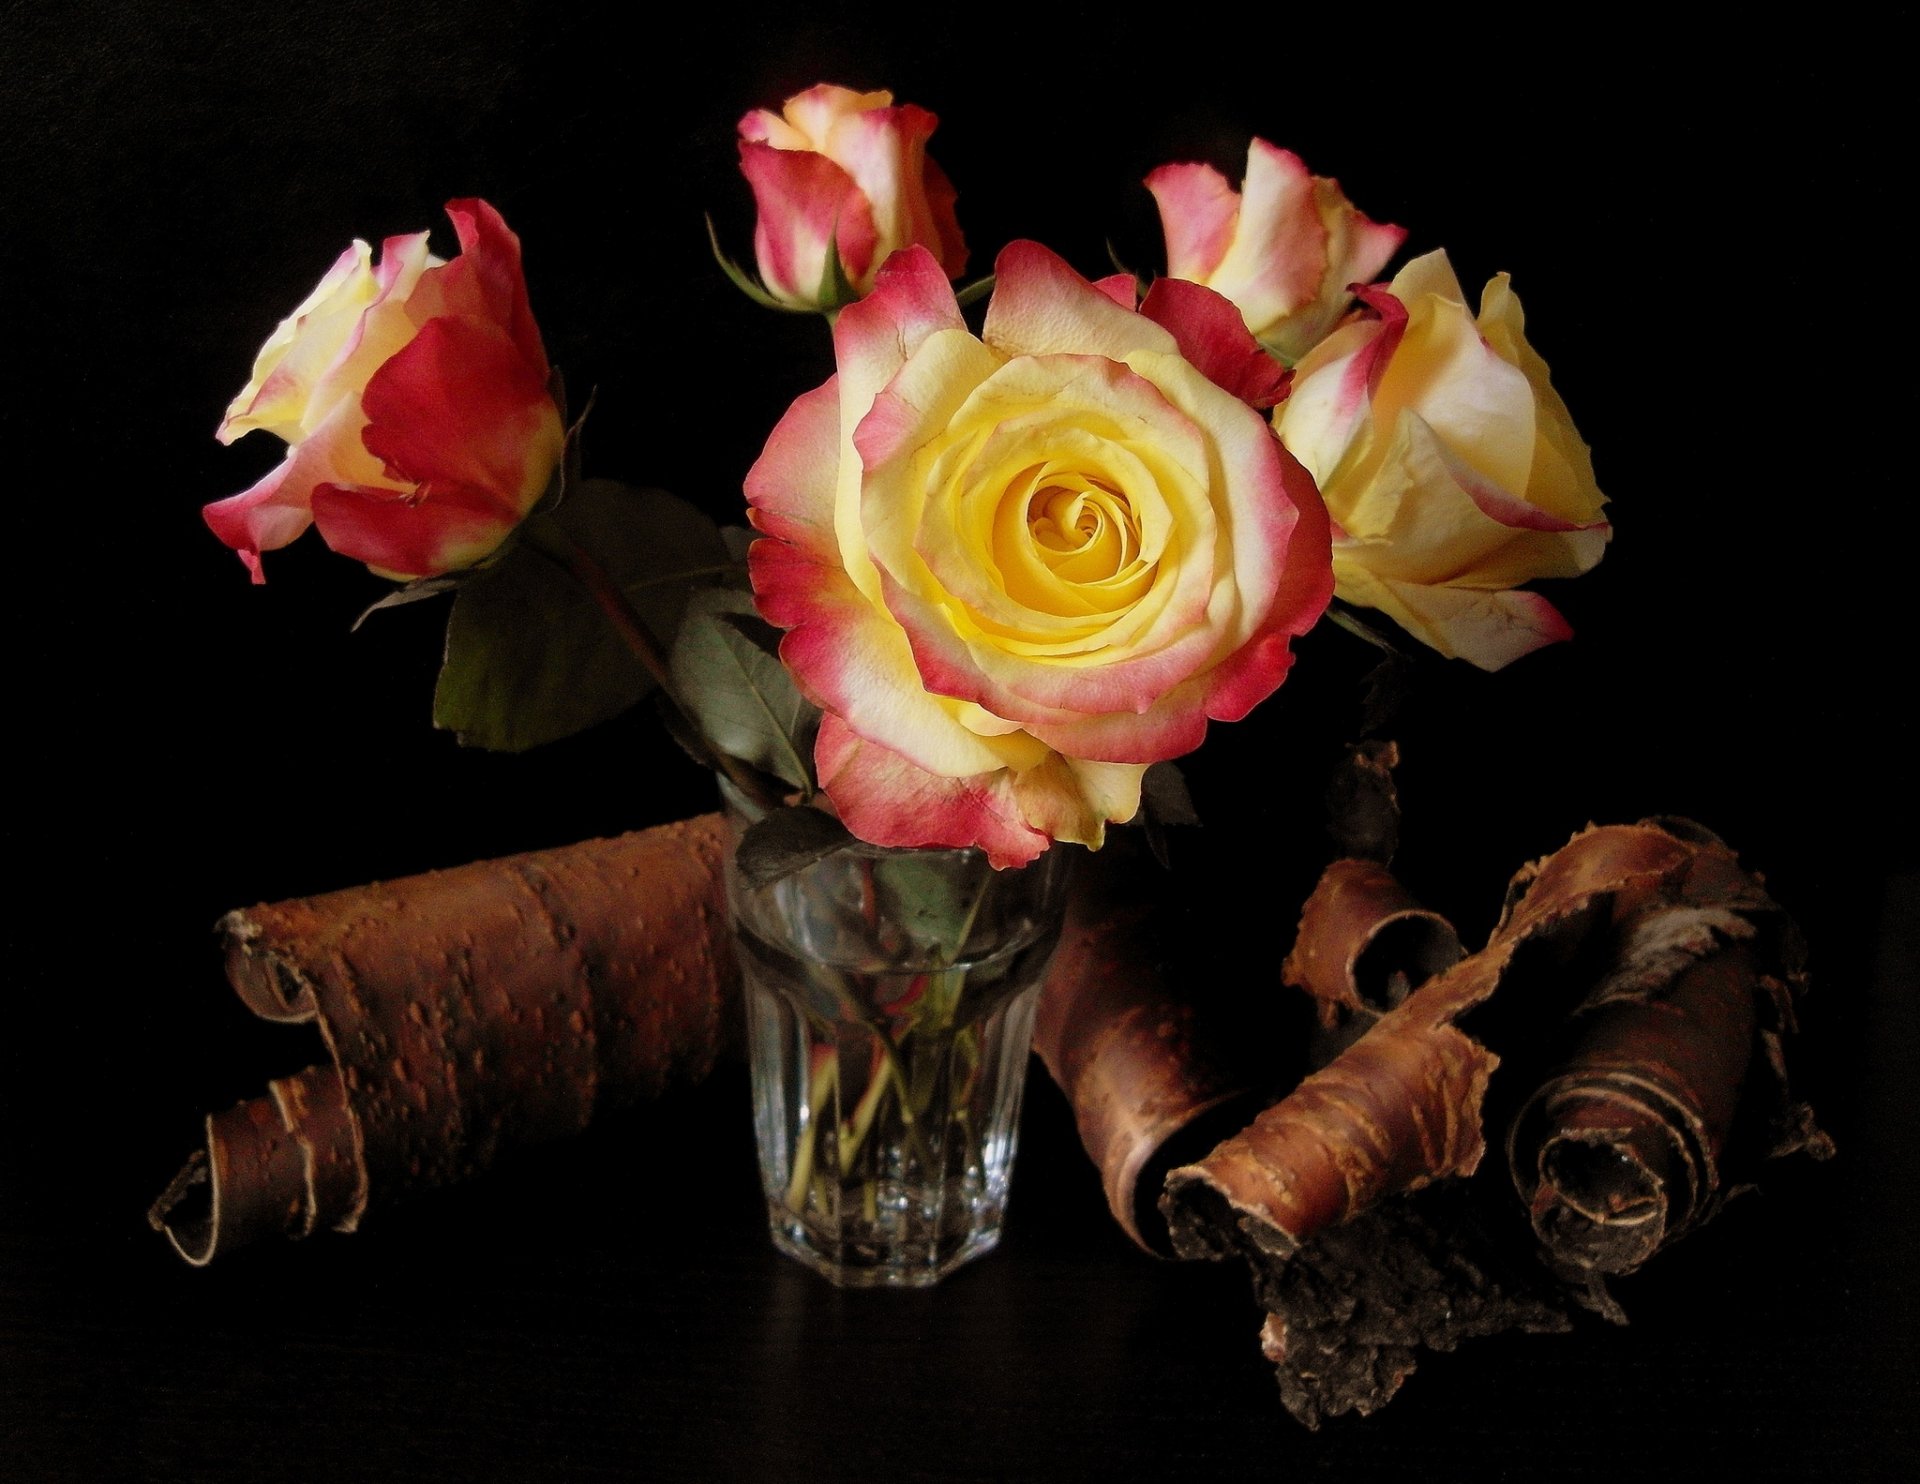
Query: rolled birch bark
[(466, 1012)]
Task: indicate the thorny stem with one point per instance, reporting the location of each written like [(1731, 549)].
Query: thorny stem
[(573, 558)]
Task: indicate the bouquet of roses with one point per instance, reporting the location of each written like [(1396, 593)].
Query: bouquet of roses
[(1010, 568), (1009, 559)]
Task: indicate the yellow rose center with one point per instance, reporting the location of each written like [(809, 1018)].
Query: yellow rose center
[(1068, 543)]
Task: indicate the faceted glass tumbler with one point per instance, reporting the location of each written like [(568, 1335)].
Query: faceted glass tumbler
[(890, 998)]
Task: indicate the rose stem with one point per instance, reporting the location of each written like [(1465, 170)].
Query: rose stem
[(822, 1084), (578, 563)]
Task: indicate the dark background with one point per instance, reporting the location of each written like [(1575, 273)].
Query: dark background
[(1703, 245)]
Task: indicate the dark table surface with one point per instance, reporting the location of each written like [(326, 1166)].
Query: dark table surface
[(1703, 252)]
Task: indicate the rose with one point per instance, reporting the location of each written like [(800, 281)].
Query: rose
[(1285, 248), (844, 170), (414, 400), (1017, 569), (1449, 465)]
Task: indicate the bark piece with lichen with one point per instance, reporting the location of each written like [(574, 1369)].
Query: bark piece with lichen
[(1361, 1200)]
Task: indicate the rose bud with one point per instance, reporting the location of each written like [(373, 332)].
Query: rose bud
[(1285, 248), (1449, 465), (413, 397), (842, 181), (1018, 568)]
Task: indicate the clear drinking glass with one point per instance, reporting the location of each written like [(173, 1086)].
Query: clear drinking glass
[(890, 997)]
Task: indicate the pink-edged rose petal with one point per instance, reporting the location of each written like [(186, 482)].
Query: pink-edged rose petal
[(404, 538), (885, 799), (461, 408), (1211, 334)]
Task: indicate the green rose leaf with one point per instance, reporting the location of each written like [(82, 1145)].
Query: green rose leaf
[(930, 897), (738, 539), (727, 673), (416, 591), (530, 656), (787, 840), (1165, 797), (1164, 800)]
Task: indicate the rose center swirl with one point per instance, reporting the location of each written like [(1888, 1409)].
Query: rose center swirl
[(1069, 542)]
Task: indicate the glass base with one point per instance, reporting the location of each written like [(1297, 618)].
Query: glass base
[(869, 1187), (916, 1251)]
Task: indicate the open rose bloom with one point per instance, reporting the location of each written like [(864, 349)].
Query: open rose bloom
[(413, 397), (845, 171), (1018, 568), (1286, 247), (1450, 466)]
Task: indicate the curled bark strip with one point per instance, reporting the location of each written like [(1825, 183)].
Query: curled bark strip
[(1147, 1089), (1364, 942), (466, 1012), (1635, 1001), (1387, 1116), (1626, 1147)]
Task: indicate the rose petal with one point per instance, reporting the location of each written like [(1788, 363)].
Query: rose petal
[(1040, 306), (277, 509), (849, 657), (1199, 210), (1278, 255), (885, 151), (804, 202), (885, 799), (486, 281), (790, 487), (461, 408), (403, 539), (301, 348), (1211, 334), (1488, 629)]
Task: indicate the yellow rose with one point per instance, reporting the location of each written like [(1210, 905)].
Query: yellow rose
[(1449, 465)]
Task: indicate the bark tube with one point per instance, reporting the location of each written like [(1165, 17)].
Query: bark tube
[(1148, 1088), (466, 1012), (1364, 943)]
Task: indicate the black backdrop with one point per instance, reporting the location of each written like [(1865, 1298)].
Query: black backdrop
[(1702, 241)]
